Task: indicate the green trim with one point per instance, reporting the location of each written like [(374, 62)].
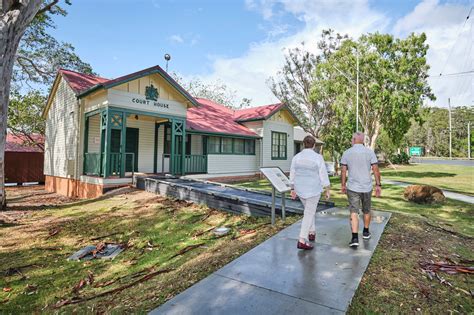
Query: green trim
[(297, 121), (221, 134), (158, 70), (155, 150), (286, 146), (145, 113), (233, 147), (86, 144), (123, 145), (94, 112)]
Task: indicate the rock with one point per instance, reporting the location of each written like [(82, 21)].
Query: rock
[(424, 194)]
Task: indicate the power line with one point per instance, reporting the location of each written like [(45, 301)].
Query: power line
[(457, 38), (451, 74)]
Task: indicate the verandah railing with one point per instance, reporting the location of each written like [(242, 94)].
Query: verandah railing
[(93, 163), (193, 164)]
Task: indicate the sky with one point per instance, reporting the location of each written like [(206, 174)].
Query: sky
[(242, 42)]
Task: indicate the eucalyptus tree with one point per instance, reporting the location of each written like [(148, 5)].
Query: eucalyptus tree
[(393, 83)]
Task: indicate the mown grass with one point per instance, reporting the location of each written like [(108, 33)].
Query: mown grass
[(453, 215), (37, 277), (450, 177)]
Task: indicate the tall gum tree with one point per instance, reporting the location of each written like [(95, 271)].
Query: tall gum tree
[(392, 82), (15, 16)]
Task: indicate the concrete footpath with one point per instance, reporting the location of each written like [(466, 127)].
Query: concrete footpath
[(277, 278), (447, 194)]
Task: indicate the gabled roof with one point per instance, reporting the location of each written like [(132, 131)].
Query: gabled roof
[(211, 117), (132, 76), (257, 113), (22, 144), (261, 112), (80, 82)]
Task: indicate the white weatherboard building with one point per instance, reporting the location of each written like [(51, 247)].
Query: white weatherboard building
[(100, 131)]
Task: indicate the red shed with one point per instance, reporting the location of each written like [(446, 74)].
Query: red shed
[(23, 160)]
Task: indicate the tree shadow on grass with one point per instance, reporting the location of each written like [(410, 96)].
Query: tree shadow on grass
[(406, 174)]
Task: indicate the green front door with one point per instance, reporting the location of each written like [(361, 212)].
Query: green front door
[(131, 146)]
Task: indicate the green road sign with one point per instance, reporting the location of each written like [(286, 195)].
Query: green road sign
[(416, 151)]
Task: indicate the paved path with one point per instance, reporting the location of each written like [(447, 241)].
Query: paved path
[(448, 194), (443, 161), (276, 278)]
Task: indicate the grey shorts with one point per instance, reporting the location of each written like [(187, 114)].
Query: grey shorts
[(359, 201)]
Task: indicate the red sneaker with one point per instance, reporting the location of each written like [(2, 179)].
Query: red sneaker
[(312, 237), (304, 246)]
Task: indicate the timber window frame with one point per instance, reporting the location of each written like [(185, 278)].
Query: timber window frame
[(279, 147)]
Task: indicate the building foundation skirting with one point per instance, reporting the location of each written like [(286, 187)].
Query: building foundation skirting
[(75, 188)]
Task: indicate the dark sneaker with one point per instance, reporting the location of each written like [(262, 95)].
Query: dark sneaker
[(366, 235), (312, 237), (354, 242)]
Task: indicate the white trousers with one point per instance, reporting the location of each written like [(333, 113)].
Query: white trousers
[(310, 205)]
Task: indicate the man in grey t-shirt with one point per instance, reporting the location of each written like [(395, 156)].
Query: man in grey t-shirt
[(359, 161)]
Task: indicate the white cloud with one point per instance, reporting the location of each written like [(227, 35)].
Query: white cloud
[(176, 39), (249, 72)]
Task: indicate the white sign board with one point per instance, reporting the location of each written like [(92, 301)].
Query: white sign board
[(139, 102), (277, 178)]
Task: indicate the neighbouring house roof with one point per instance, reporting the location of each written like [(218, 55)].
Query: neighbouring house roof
[(299, 134), (211, 117), (22, 144)]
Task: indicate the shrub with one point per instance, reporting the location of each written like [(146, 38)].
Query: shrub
[(401, 158)]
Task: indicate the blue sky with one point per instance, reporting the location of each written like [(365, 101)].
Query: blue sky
[(240, 42)]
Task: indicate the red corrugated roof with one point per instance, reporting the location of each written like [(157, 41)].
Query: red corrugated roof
[(215, 118), (80, 82), (256, 113), (22, 144)]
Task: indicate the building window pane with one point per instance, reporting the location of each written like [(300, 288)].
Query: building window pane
[(239, 146), (167, 142), (279, 146), (226, 145), (249, 146), (214, 145)]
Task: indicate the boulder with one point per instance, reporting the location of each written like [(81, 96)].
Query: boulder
[(424, 194)]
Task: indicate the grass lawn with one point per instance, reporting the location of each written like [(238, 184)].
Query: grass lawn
[(394, 282), (169, 246), (450, 177), (452, 215)]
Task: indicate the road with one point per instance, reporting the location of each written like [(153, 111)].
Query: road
[(445, 161)]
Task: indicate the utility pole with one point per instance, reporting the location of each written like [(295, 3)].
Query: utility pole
[(450, 129), (469, 140), (357, 97)]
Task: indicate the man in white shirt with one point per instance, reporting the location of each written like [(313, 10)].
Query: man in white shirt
[(308, 176), (359, 161)]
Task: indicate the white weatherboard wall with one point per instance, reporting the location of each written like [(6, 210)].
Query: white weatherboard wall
[(278, 126), (146, 142), (61, 133), (231, 163)]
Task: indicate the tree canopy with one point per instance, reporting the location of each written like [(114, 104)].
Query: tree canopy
[(216, 91), (392, 82)]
